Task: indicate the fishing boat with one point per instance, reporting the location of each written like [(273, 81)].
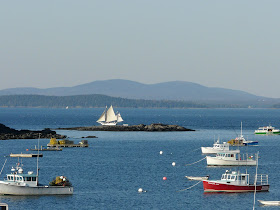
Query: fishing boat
[(109, 117), (217, 147), (267, 130), (19, 183), (231, 158), (241, 141), (197, 178), (236, 182), (270, 203)]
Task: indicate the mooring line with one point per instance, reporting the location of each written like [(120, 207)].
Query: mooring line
[(195, 162), (189, 187), (3, 167)]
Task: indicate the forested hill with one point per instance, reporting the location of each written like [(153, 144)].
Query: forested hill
[(95, 100), (87, 101)]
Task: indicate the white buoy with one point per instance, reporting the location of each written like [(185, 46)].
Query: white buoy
[(161, 152), (140, 190), (173, 164)]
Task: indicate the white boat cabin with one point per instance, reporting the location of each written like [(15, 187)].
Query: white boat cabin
[(233, 155), (229, 155), (223, 146), (17, 177), (235, 178)]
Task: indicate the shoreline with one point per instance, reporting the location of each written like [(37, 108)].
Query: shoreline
[(155, 127)]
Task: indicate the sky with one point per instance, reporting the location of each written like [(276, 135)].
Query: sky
[(217, 43)]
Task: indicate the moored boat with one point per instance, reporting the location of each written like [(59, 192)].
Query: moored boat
[(231, 158), (236, 182), (19, 183), (197, 178), (267, 130), (217, 147), (270, 203), (241, 141)]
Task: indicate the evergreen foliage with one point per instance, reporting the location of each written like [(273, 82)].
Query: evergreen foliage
[(87, 101)]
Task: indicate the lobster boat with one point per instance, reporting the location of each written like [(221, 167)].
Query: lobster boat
[(236, 182)]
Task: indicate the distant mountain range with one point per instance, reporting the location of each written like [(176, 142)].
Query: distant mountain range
[(177, 90)]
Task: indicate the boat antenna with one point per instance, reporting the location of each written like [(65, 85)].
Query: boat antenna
[(241, 128)]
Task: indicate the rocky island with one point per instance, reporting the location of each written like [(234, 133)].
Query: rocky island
[(156, 127), (9, 133)]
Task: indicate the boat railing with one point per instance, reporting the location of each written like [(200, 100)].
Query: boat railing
[(262, 179), (246, 156)]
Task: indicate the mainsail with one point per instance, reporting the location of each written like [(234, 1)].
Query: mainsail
[(109, 117)]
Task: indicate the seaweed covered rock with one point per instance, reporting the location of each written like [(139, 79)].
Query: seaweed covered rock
[(155, 127), (10, 133)]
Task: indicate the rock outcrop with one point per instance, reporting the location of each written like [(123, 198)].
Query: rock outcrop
[(153, 127), (9, 133)]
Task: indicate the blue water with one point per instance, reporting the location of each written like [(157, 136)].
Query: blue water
[(108, 174)]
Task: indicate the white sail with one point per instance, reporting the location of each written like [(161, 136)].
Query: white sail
[(119, 118), (102, 118), (111, 115)]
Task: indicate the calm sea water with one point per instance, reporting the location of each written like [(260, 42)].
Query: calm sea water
[(108, 174)]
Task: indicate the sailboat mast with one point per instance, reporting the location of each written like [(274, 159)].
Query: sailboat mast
[(106, 113), (241, 128)]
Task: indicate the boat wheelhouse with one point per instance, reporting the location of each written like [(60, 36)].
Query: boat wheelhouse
[(231, 158), (236, 182), (267, 130)]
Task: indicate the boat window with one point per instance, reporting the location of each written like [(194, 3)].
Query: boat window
[(8, 177), (17, 178), (243, 178), (34, 179), (233, 177), (223, 176), (20, 179), (232, 155), (23, 178), (228, 176), (28, 178), (12, 178)]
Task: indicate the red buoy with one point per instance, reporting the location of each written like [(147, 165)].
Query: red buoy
[(164, 178)]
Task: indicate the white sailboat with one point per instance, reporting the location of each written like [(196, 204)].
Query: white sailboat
[(109, 117)]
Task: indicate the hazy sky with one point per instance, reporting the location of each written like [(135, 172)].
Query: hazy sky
[(228, 44)]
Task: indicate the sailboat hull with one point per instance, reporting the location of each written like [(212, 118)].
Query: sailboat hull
[(11, 189), (108, 123)]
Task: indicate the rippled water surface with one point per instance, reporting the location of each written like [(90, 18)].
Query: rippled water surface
[(108, 174)]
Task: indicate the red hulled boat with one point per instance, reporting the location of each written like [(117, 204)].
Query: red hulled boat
[(235, 182)]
